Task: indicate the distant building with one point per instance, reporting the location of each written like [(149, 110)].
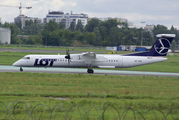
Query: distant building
[(5, 36), (23, 18), (58, 16), (149, 27), (22, 36)]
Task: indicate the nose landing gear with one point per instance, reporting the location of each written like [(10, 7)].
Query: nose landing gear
[(21, 69), (90, 71)]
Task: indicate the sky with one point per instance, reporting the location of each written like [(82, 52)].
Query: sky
[(152, 12)]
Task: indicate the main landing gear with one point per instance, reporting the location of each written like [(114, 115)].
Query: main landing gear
[(21, 69), (90, 71)]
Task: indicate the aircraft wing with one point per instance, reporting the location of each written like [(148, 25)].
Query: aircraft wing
[(89, 54), (89, 57)]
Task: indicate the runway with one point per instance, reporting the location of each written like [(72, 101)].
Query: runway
[(4, 68)]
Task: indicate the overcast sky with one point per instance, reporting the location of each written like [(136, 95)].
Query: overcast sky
[(164, 12)]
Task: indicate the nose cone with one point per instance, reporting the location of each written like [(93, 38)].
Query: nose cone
[(16, 64)]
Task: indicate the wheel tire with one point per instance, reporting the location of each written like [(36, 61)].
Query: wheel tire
[(21, 69), (92, 71), (88, 71)]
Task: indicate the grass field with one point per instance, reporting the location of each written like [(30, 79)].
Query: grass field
[(41, 47), (141, 92)]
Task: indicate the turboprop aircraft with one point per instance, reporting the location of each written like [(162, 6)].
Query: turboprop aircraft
[(91, 60)]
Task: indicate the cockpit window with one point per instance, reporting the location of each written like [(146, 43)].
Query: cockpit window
[(26, 58)]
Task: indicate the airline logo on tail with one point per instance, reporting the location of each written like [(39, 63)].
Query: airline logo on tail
[(162, 46)]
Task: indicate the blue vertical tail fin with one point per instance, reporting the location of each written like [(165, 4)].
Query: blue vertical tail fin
[(160, 48)]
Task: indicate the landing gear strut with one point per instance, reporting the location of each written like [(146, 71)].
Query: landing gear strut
[(21, 69), (90, 71)]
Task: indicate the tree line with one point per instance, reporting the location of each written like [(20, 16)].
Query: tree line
[(96, 33)]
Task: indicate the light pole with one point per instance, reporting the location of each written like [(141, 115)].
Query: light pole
[(142, 33)]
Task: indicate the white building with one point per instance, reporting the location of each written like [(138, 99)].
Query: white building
[(5, 36), (58, 16), (23, 18)]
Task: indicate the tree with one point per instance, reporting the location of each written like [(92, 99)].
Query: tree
[(19, 24), (6, 25), (94, 22), (14, 32), (53, 38), (67, 34), (159, 29), (113, 34), (96, 32), (90, 38), (51, 26), (174, 44), (72, 26), (62, 25), (30, 41), (79, 26), (81, 37)]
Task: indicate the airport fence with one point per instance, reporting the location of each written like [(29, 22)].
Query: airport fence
[(26, 111)]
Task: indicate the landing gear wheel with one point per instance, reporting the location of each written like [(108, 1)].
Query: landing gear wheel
[(21, 69), (90, 71)]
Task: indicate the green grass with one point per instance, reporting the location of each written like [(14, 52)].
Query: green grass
[(41, 47), (142, 93), (78, 85)]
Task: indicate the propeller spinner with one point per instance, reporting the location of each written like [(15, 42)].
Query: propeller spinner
[(68, 56)]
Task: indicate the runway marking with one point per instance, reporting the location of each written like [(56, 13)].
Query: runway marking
[(4, 68)]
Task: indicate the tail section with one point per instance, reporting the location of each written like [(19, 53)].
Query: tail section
[(160, 48)]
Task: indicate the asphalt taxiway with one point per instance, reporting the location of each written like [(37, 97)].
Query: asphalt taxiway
[(4, 68)]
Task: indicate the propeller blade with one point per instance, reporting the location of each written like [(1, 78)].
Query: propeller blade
[(68, 56), (67, 51)]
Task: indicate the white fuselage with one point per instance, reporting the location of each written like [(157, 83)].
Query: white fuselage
[(77, 60)]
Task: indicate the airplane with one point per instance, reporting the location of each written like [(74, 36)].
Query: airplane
[(91, 60)]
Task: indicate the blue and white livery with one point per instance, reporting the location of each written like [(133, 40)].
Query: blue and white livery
[(91, 60)]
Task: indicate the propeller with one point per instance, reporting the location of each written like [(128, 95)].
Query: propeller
[(68, 56)]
